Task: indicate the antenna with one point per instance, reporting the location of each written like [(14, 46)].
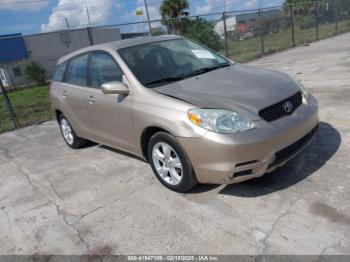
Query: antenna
[(149, 22)]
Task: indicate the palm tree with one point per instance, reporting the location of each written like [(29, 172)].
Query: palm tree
[(170, 11)]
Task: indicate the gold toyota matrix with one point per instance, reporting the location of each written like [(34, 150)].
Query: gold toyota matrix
[(194, 115)]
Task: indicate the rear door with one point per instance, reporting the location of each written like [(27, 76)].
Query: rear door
[(75, 93), (110, 114)]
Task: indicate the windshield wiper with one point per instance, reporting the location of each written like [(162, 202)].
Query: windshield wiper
[(205, 70), (175, 78), (165, 80)]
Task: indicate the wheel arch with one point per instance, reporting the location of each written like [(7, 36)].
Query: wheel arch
[(146, 134), (58, 113)]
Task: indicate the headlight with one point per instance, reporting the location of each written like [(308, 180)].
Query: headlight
[(220, 121), (302, 88)]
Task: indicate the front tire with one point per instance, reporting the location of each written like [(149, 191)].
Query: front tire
[(170, 163), (68, 134)]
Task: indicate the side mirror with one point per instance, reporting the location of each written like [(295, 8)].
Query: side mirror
[(115, 87)]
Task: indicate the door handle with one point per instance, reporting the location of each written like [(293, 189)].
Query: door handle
[(91, 100)]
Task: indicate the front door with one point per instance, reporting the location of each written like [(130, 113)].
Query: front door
[(110, 114)]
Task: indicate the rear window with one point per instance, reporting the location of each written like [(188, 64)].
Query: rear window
[(59, 72), (77, 70)]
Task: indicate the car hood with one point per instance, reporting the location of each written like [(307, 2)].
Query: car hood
[(237, 87)]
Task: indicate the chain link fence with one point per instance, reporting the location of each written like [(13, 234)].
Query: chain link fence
[(241, 35), (7, 121), (23, 107)]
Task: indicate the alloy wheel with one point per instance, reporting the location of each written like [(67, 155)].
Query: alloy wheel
[(67, 131), (167, 163)]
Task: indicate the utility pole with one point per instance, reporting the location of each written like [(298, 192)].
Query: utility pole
[(225, 31), (261, 31), (149, 22), (67, 22), (337, 3), (225, 28), (291, 7), (88, 15), (317, 19), (89, 29)]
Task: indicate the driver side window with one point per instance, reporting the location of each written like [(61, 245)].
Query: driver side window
[(104, 69)]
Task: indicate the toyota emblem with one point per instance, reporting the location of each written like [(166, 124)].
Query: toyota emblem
[(287, 106)]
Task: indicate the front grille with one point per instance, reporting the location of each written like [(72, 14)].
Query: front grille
[(277, 111), (292, 149), (243, 173)]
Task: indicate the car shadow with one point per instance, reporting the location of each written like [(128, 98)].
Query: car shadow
[(114, 150), (90, 143), (321, 149)]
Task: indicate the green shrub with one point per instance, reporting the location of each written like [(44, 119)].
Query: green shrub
[(35, 73), (306, 22)]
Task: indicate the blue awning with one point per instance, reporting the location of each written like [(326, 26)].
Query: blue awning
[(12, 48)]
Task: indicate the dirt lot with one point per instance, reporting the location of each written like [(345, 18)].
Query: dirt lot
[(54, 200)]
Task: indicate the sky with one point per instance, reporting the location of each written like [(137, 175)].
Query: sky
[(35, 16)]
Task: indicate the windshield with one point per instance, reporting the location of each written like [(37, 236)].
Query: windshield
[(160, 62)]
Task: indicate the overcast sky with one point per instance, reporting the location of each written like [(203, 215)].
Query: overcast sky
[(34, 16)]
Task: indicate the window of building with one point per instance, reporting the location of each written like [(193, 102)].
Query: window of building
[(65, 38)]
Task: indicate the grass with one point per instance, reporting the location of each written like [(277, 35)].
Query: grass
[(31, 105), (248, 49)]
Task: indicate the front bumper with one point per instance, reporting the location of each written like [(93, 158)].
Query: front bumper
[(222, 158)]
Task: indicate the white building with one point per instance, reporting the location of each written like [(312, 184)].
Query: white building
[(230, 26), (232, 22)]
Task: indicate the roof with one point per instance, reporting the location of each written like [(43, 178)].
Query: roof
[(141, 40), (12, 48), (121, 44)]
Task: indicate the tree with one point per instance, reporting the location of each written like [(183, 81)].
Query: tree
[(170, 11), (327, 10), (345, 6), (202, 31), (301, 7), (35, 73)]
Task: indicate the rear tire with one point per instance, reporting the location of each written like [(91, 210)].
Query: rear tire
[(170, 163), (69, 135)]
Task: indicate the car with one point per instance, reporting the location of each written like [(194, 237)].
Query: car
[(194, 115)]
